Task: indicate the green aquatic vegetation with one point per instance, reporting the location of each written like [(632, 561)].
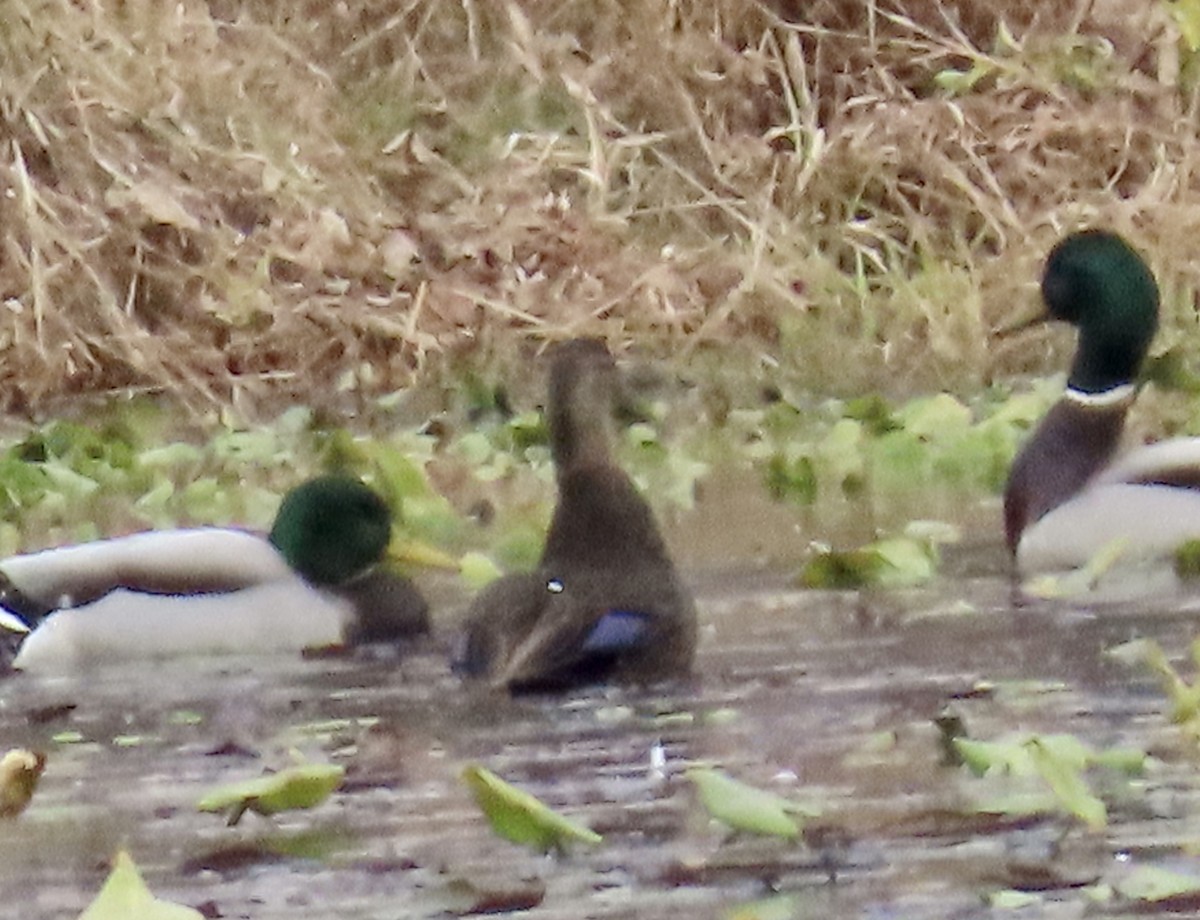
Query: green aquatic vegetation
[(73, 482), (848, 448), (794, 478), (891, 562), (1045, 773), (778, 907), (744, 808), (1170, 371), (1080, 580), (1183, 696), (478, 570), (1065, 778), (1154, 883), (124, 895), (668, 474), (300, 786), (1186, 14), (500, 448), (494, 446), (129, 741), (520, 817), (481, 481), (185, 717), (1012, 899), (1187, 560), (68, 475), (1149, 884)]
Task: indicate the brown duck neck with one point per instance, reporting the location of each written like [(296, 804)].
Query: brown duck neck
[(580, 421), (602, 522)]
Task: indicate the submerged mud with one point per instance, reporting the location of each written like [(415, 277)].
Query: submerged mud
[(830, 698)]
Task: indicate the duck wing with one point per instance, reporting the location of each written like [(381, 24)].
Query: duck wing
[(282, 616), (500, 617), (597, 624), (1174, 462), (198, 561)]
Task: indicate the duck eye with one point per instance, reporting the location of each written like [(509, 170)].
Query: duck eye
[(554, 586)]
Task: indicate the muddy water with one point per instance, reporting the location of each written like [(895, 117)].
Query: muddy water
[(827, 697)]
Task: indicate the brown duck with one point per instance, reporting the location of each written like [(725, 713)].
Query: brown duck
[(605, 601)]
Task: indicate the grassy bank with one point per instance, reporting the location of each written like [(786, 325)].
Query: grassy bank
[(245, 203)]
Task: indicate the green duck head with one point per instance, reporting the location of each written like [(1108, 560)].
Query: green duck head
[(1098, 282), (331, 529), (583, 394)]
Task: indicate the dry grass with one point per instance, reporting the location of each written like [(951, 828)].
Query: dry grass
[(252, 203)]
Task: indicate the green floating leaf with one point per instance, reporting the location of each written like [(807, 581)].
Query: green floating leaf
[(906, 561), (1057, 761), (1184, 697), (478, 570), (893, 562), (185, 717), (1152, 883), (69, 482), (1022, 803), (792, 478), (1187, 560), (841, 454), (1186, 14), (982, 757), (176, 454), (303, 786), (517, 816), (1065, 778), (838, 570), (933, 418), (874, 412), (1129, 761), (1081, 580), (1170, 370), (1011, 899), (1016, 756), (744, 808), (779, 907), (475, 447), (124, 896), (126, 741)]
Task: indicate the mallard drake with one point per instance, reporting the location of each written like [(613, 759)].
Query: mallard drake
[(313, 581), (605, 601), (1069, 495)]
